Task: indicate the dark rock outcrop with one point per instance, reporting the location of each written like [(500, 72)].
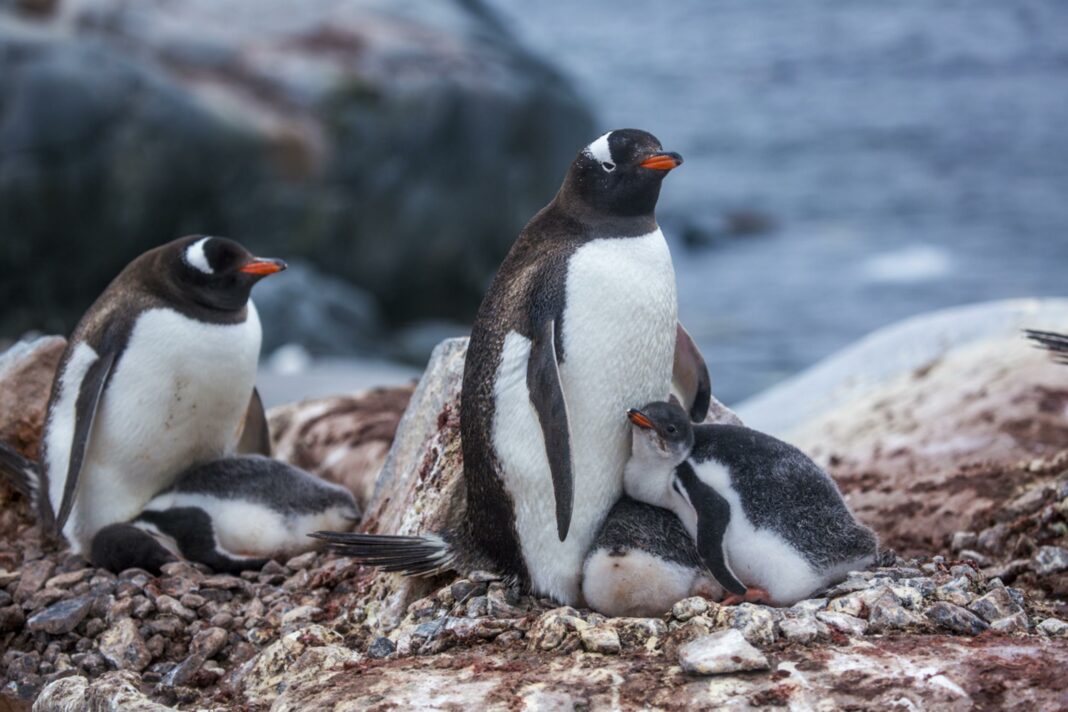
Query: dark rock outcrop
[(398, 145)]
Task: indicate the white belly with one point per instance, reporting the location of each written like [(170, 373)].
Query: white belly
[(758, 557), (177, 397), (619, 340)]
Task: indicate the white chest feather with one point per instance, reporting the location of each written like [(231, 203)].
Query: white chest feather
[(618, 342), (177, 396)]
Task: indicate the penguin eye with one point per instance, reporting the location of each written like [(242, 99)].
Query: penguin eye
[(608, 166), (671, 429)]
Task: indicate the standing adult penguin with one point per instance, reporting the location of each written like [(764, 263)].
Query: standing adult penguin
[(158, 375), (580, 321)]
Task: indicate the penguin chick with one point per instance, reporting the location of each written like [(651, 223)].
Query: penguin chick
[(232, 514), (158, 375), (768, 522), (642, 562)]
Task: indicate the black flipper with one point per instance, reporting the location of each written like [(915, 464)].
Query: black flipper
[(409, 555), (21, 473), (192, 531), (256, 434), (547, 396), (89, 392), (118, 547), (690, 375), (713, 516), (1051, 341)]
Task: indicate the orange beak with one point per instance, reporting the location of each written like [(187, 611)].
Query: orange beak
[(662, 161), (263, 267), (638, 418)]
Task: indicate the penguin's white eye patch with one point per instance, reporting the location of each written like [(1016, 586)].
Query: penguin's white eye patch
[(194, 255), (608, 166)]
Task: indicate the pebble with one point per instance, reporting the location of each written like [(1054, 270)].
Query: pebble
[(1016, 623), (11, 618), (62, 617), (600, 639), (638, 632), (971, 555), (956, 591), (69, 579), (687, 608), (803, 629), (956, 619), (34, 575), (724, 651), (887, 614), (756, 623), (1047, 560), (843, 622), (122, 646), (167, 605), (996, 604), (465, 589), (1053, 627), (299, 563), (381, 647), (963, 540)]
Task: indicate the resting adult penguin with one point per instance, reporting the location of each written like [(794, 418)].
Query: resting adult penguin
[(158, 375), (579, 322), (770, 524), (232, 514)]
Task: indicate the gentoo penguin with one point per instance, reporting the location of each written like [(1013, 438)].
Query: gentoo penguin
[(1051, 341), (768, 522), (232, 514), (642, 562), (579, 323), (158, 375)]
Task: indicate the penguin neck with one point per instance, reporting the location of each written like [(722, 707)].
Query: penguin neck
[(601, 223), (647, 476)]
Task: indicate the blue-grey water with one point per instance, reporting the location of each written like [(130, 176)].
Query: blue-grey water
[(912, 155)]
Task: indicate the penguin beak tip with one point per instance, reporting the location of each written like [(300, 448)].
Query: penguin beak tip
[(640, 419), (261, 266)]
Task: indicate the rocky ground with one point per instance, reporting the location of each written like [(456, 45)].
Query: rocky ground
[(977, 621)]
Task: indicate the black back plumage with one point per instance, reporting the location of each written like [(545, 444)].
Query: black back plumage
[(783, 490), (634, 525), (260, 480)]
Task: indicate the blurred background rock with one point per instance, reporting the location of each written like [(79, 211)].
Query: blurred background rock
[(847, 165)]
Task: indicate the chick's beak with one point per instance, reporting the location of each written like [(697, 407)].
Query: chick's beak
[(639, 418), (263, 266), (662, 161)]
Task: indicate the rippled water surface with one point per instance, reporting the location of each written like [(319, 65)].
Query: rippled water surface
[(911, 155)]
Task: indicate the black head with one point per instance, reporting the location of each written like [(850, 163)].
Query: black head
[(212, 272), (619, 174), (668, 421)]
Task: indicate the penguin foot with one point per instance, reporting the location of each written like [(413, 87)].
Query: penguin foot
[(751, 595)]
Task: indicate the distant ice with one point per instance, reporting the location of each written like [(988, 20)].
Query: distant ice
[(911, 263)]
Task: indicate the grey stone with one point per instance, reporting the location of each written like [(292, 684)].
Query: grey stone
[(687, 608), (112, 692), (994, 605), (802, 629), (62, 617), (1016, 623), (1050, 560), (600, 639), (122, 646), (724, 651), (963, 540), (843, 622), (381, 647), (1053, 627), (957, 591), (956, 619), (33, 577)]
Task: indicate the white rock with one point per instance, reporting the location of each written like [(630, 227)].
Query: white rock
[(1054, 627), (850, 625), (721, 652)]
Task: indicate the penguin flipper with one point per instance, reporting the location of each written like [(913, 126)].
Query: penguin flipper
[(1051, 341), (547, 396), (89, 392), (122, 546), (256, 433), (21, 473), (690, 375), (713, 516)]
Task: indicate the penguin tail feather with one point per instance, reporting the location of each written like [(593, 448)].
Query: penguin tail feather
[(426, 555), (19, 472), (1051, 341)]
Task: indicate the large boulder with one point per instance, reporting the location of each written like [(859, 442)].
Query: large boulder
[(931, 426), (398, 144)]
